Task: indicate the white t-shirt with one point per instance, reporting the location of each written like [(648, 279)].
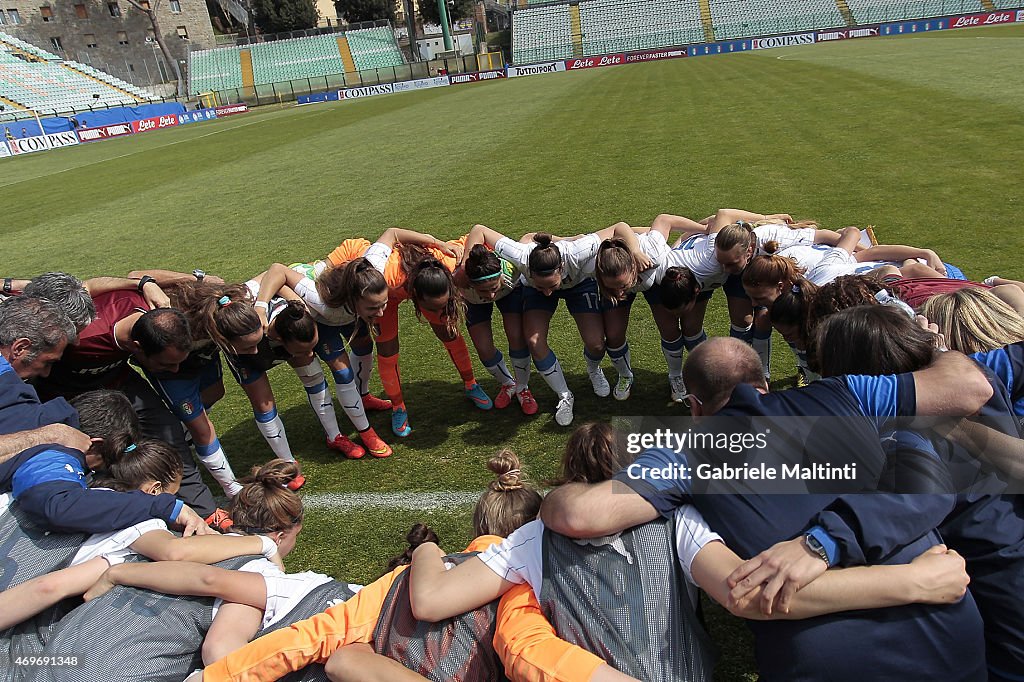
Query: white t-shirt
[(284, 590), (115, 546), (696, 254), (806, 256), (835, 263), (578, 258), (654, 246), (519, 558), (377, 254), (784, 235)]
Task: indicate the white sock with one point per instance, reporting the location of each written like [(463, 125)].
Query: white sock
[(764, 351), (593, 364), (213, 458), (351, 402), (673, 352), (362, 366), (521, 367), (621, 361), (499, 370), (312, 377), (551, 370), (272, 428)]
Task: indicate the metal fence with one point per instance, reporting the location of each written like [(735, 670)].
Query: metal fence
[(289, 91)]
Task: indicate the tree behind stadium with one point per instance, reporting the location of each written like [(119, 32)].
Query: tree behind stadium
[(355, 11), (459, 10), (276, 16)]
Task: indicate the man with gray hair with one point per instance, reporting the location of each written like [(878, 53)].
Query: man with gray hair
[(33, 335), (68, 292)]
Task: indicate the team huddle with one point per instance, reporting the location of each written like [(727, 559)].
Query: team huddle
[(915, 571)]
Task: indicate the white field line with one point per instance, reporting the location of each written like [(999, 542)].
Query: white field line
[(409, 501)]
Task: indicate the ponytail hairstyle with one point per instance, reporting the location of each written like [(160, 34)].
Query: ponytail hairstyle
[(265, 504), (841, 293), (614, 259), (107, 415), (427, 277), (545, 259), (419, 534), (148, 460), (679, 288), (508, 502), (294, 323), (356, 279), (974, 320), (741, 233), (482, 264), (592, 454), (791, 307), (768, 271), (330, 285), (219, 312)]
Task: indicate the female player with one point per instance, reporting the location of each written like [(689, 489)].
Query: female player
[(290, 334), (530, 553), (415, 270), (380, 615), (555, 269), (486, 280), (153, 467)]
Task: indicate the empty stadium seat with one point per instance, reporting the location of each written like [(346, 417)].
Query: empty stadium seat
[(615, 26), (541, 34), (744, 18), (53, 86), (299, 58), (880, 11), (374, 48), (216, 69)]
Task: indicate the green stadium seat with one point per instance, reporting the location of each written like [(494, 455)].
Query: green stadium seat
[(882, 11)]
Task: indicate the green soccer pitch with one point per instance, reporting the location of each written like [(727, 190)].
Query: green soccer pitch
[(917, 135)]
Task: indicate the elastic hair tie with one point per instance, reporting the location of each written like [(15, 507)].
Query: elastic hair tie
[(512, 471), (796, 289), (224, 301), (131, 448), (485, 277)]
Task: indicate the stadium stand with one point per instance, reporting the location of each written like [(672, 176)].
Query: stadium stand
[(374, 48), (742, 18), (225, 68), (299, 58), (35, 79), (1007, 4), (541, 33), (877, 11), (217, 69), (614, 26)]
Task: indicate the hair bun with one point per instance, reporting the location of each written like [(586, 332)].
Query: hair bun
[(276, 473), (419, 534), (542, 239), (506, 467)]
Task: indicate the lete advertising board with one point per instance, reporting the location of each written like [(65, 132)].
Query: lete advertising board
[(1020, 15), (196, 116), (27, 145), (982, 19), (461, 78), (535, 69), (422, 84), (848, 33), (655, 55), (104, 132), (230, 109), (367, 91), (781, 41), (154, 123), (594, 62)]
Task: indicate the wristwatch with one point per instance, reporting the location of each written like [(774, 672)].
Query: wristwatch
[(198, 274), (143, 281), (8, 285), (815, 546)]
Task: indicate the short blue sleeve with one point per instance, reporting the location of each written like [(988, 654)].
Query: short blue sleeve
[(661, 477), (884, 397), (47, 466)]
